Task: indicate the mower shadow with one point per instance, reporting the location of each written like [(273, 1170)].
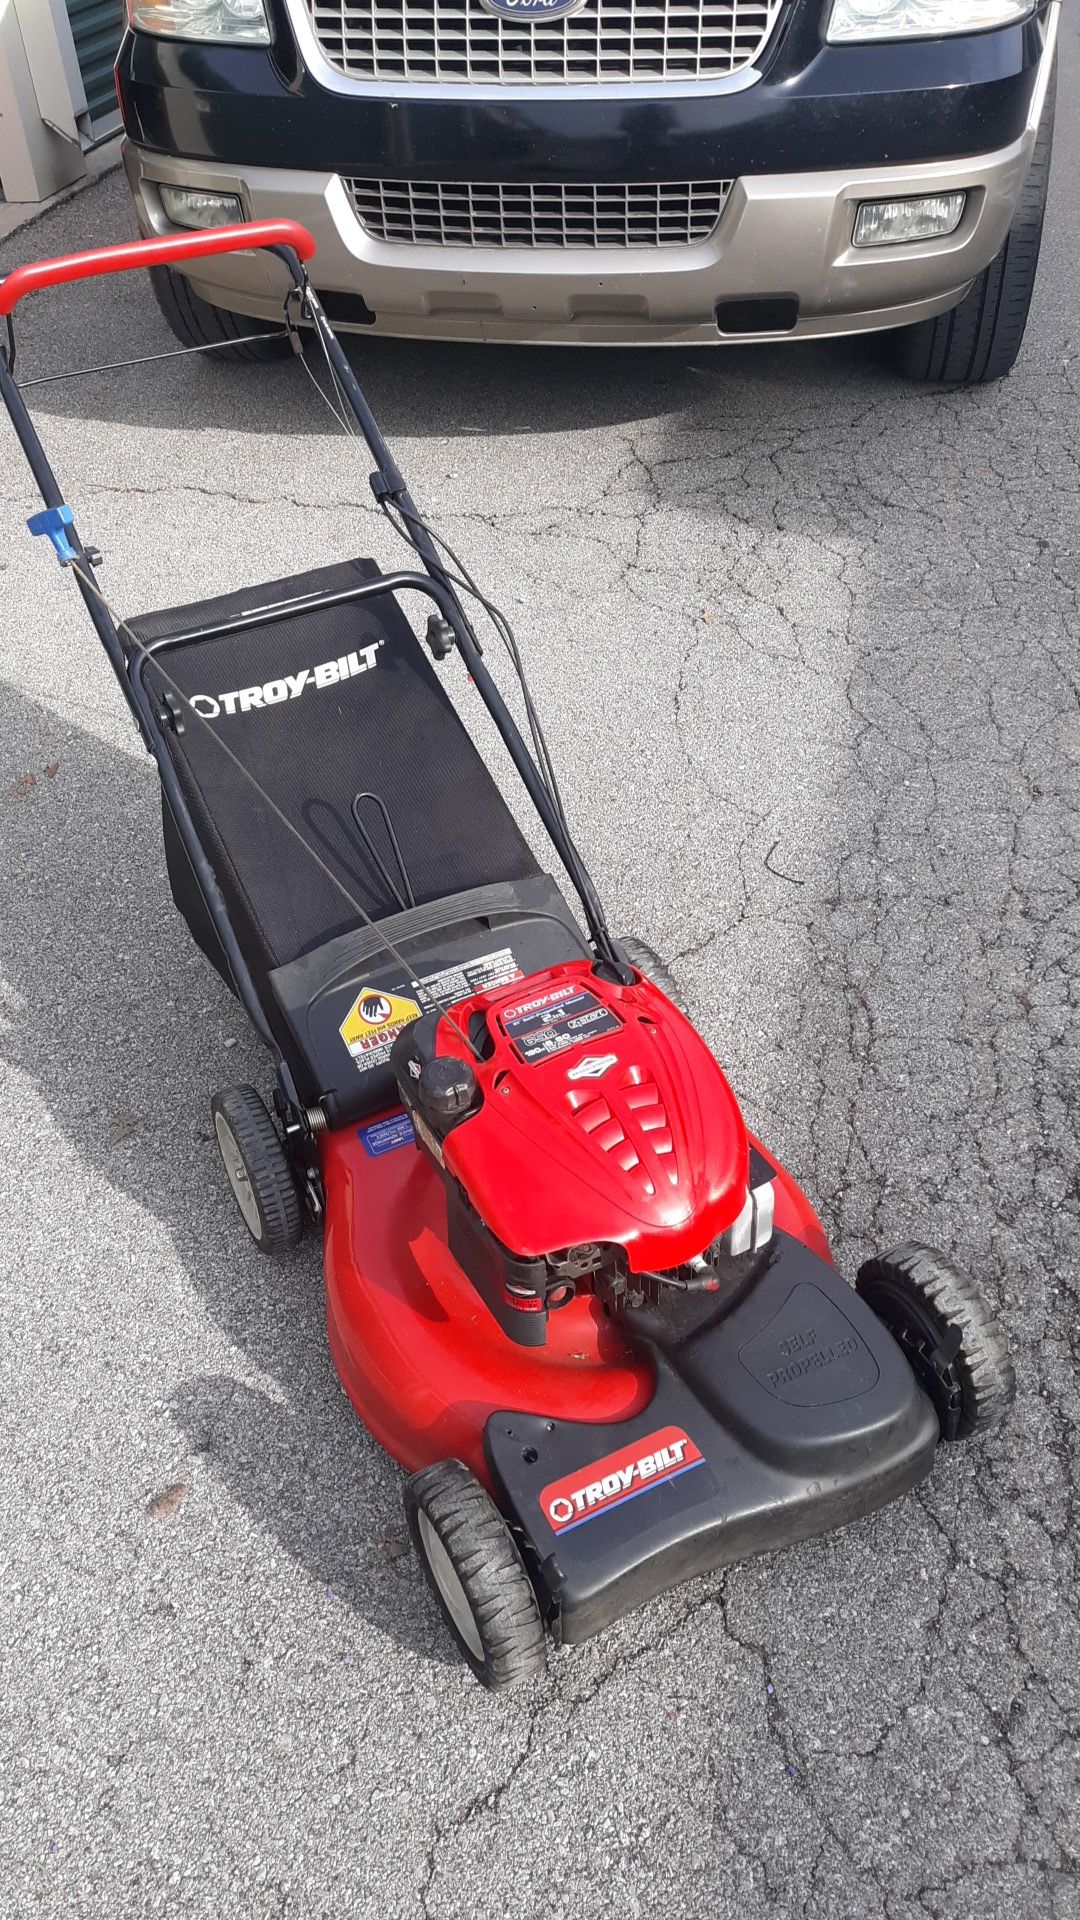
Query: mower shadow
[(92, 950)]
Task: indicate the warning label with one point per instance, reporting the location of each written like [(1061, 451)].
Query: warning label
[(377, 1016), (373, 1023), (550, 1022)]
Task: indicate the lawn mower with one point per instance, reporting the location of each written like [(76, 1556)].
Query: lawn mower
[(566, 1287)]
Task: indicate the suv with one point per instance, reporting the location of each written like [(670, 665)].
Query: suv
[(619, 172)]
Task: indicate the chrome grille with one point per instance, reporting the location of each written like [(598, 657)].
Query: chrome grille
[(475, 214), (609, 40)]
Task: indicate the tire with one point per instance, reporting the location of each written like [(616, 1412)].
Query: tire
[(980, 340), (477, 1574), (948, 1334), (196, 323), (262, 1181), (654, 969)]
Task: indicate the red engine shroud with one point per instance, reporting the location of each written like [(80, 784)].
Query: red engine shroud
[(421, 1358), (605, 1118)]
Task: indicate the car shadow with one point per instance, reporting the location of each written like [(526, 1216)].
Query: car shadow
[(110, 1012), (417, 388)]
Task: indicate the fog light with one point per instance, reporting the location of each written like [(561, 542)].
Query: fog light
[(896, 223), (191, 207)]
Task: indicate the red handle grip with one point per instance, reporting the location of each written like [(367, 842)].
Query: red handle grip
[(152, 253)]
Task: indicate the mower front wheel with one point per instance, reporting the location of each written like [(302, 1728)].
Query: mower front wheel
[(947, 1333), (263, 1184), (477, 1574)]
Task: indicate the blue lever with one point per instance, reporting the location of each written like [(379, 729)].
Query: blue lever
[(53, 523)]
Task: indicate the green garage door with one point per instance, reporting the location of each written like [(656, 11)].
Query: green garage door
[(96, 26)]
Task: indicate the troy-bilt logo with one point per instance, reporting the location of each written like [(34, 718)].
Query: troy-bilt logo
[(272, 693), (593, 1067), (619, 1477), (540, 1002)]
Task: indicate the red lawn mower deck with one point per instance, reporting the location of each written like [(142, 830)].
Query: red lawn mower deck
[(566, 1288)]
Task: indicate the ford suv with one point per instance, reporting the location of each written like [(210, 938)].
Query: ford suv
[(618, 172)]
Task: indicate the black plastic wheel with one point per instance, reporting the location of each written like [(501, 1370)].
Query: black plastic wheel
[(477, 1574), (198, 324), (264, 1186), (980, 340), (942, 1324), (650, 964)]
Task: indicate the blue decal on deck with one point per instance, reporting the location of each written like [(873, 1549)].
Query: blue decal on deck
[(382, 1136)]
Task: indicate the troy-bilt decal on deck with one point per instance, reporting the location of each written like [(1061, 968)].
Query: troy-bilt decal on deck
[(618, 1477), (273, 693), (548, 1023), (373, 1023)]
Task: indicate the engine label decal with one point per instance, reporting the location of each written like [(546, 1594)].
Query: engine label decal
[(373, 1023), (619, 1477), (551, 1021), (460, 981), (385, 1136)]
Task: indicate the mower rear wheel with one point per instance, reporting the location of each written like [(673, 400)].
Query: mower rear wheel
[(264, 1186), (654, 969), (944, 1327), (476, 1574)]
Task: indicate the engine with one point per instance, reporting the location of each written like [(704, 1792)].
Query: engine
[(587, 1139)]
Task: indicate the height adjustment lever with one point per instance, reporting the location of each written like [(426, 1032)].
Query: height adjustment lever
[(439, 635), (54, 522)]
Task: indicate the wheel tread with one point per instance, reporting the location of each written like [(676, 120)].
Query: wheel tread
[(956, 1302), (487, 1563), (267, 1166), (650, 964)]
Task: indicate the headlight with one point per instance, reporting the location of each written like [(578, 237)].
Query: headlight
[(237, 20), (921, 19)]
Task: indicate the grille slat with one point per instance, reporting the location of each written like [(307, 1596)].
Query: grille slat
[(634, 41), (539, 214)]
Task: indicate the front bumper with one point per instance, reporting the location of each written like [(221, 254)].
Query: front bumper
[(782, 237)]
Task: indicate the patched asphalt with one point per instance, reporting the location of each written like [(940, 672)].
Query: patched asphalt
[(806, 643)]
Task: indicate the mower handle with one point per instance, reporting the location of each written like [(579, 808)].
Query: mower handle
[(155, 252)]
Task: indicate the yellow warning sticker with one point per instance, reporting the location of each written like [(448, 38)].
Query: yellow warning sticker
[(373, 1023)]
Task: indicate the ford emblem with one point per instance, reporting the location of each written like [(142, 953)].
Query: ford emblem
[(532, 11)]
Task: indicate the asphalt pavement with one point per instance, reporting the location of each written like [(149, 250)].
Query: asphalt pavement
[(806, 643)]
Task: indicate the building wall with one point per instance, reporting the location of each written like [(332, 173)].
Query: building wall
[(47, 121)]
